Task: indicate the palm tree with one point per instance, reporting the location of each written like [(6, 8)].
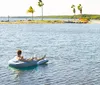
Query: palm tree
[(80, 8), (31, 10), (74, 11), (40, 4)]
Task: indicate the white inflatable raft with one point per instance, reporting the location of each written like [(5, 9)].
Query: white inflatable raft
[(21, 64)]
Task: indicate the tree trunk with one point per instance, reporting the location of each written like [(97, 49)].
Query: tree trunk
[(42, 12), (32, 16), (74, 16)]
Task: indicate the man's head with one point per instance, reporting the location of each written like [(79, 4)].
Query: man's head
[(19, 52)]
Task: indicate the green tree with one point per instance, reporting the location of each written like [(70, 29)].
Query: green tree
[(40, 4), (74, 11), (31, 10), (80, 8)]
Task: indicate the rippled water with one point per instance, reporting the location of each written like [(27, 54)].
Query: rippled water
[(73, 51)]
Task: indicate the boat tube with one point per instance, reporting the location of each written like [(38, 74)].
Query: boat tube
[(21, 64)]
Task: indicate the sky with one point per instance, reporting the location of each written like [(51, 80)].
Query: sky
[(51, 7)]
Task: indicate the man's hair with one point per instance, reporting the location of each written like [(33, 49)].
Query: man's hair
[(19, 52)]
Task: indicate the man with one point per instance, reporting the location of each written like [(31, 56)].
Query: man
[(21, 58)]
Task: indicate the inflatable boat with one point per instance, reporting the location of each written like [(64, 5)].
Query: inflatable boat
[(22, 64)]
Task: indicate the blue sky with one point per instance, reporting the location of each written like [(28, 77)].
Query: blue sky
[(51, 7)]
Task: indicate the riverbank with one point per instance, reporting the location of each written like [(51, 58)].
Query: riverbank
[(32, 22), (94, 22), (41, 22), (49, 22)]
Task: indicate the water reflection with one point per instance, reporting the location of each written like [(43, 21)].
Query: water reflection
[(20, 71)]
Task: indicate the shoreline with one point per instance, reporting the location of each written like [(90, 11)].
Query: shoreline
[(94, 22), (32, 22), (49, 22)]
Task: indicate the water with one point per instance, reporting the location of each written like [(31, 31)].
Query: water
[(73, 51)]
